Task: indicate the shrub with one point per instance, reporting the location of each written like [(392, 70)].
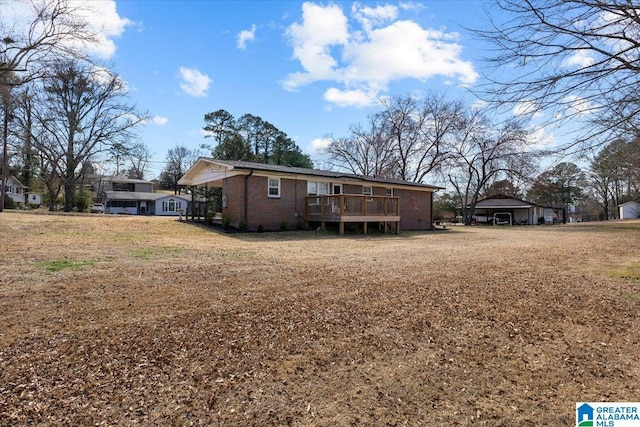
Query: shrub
[(260, 228), (283, 226), (83, 200), (226, 221), (8, 202)]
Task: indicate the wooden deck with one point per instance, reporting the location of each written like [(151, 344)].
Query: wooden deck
[(351, 208)]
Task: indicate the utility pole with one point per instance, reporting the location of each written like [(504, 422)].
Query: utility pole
[(5, 138)]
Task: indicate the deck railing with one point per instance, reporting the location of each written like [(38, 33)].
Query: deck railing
[(352, 208)]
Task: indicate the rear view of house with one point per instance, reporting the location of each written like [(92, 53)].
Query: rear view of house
[(271, 197)]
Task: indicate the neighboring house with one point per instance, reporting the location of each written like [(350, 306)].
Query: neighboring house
[(137, 203), (271, 197), (15, 190), (511, 211), (136, 197), (629, 210)]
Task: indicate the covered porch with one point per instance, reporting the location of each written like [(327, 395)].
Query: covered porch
[(353, 208)]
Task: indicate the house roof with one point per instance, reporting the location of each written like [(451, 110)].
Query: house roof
[(504, 202), (228, 166), (122, 180), (16, 182), (138, 195)]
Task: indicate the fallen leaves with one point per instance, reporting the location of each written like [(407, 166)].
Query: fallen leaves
[(175, 325)]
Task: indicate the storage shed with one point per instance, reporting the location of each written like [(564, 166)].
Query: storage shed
[(629, 210)]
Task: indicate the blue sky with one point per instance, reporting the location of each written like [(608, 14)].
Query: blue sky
[(310, 68)]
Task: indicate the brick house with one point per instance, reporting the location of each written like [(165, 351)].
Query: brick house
[(270, 197)]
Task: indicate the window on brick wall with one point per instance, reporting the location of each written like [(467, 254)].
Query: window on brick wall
[(318, 188), (274, 187)]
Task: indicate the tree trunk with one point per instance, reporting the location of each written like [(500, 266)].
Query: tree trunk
[(69, 196)]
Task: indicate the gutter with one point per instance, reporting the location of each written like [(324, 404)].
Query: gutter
[(246, 198)]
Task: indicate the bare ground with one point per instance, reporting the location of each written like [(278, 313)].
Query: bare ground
[(109, 320)]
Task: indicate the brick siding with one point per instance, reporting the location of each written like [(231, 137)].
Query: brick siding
[(273, 212)]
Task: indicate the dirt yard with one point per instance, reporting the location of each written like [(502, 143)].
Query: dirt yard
[(111, 320)]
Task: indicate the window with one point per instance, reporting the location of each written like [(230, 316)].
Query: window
[(123, 204), (312, 188), (171, 205), (367, 190), (389, 192), (274, 187), (123, 186), (318, 188)]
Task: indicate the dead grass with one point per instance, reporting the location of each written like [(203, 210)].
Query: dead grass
[(156, 322)]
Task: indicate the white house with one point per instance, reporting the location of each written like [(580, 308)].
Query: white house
[(629, 210), (142, 203), (15, 190)]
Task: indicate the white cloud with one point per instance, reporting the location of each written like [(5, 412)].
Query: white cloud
[(370, 17), (526, 108), (479, 105), (540, 138), (246, 36), (101, 17), (318, 145), (159, 120), (194, 82), (155, 120), (580, 59), (321, 28), (577, 105), (411, 5), (353, 98), (365, 61)]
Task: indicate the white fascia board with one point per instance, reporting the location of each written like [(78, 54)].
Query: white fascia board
[(205, 172)]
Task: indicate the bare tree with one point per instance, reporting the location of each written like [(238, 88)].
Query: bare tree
[(82, 112), (179, 159), (48, 29), (614, 175), (408, 139), (139, 157), (368, 151), (577, 60), (484, 151), (51, 29)]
